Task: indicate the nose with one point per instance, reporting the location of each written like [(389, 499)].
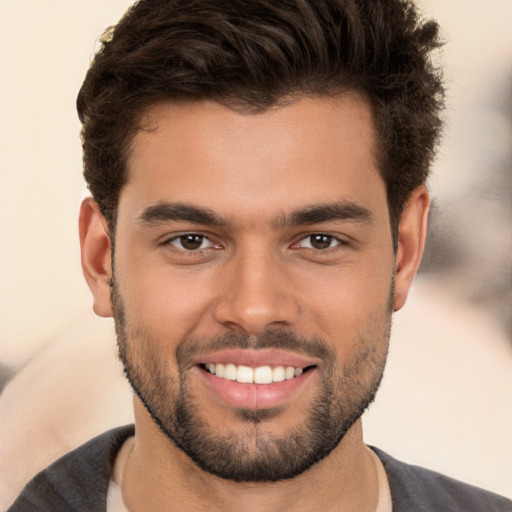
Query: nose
[(256, 293)]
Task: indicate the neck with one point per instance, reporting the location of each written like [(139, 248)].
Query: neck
[(159, 476)]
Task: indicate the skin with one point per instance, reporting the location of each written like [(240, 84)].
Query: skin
[(253, 274)]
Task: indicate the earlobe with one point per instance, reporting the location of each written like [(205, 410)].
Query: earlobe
[(412, 230), (95, 255)]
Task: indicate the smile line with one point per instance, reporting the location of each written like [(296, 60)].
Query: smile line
[(259, 375)]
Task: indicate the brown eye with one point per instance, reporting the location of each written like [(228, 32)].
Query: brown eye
[(319, 241), (190, 242)]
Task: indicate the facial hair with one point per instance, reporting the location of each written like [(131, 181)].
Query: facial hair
[(255, 453)]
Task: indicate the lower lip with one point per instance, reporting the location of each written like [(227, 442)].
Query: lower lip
[(255, 396)]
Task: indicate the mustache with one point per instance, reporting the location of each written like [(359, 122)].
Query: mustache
[(284, 340)]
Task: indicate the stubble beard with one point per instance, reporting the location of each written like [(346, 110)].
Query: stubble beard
[(254, 453)]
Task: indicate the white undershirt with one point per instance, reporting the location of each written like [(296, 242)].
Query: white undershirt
[(115, 502), (384, 503)]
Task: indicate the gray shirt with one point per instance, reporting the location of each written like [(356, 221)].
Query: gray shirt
[(78, 482)]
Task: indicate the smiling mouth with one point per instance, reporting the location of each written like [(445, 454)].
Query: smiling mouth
[(259, 375)]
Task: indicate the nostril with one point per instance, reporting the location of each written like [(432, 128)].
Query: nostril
[(252, 306)]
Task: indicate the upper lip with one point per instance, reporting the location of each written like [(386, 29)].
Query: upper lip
[(255, 358)]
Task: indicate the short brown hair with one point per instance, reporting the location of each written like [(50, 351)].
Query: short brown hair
[(250, 55)]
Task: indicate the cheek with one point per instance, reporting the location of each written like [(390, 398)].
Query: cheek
[(350, 297), (168, 304)]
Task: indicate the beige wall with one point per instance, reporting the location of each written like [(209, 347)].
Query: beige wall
[(45, 48)]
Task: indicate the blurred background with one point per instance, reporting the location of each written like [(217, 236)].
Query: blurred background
[(446, 400)]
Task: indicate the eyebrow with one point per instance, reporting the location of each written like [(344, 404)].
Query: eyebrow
[(175, 211), (314, 214), (328, 212)]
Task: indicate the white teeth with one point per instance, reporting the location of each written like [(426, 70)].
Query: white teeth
[(278, 374), (245, 374), (258, 375), (230, 371), (263, 375), (219, 370), (289, 372)]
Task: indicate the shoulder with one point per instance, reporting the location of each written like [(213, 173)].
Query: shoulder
[(78, 480), (422, 490)]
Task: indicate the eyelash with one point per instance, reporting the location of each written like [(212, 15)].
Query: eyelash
[(169, 242), (338, 243)]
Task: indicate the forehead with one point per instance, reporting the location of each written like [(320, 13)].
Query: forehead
[(313, 150)]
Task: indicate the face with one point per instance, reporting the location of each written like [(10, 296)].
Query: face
[(253, 280)]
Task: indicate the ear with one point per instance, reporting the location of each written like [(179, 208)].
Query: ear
[(96, 258), (412, 230)]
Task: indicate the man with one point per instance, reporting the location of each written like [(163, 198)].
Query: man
[(259, 211)]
